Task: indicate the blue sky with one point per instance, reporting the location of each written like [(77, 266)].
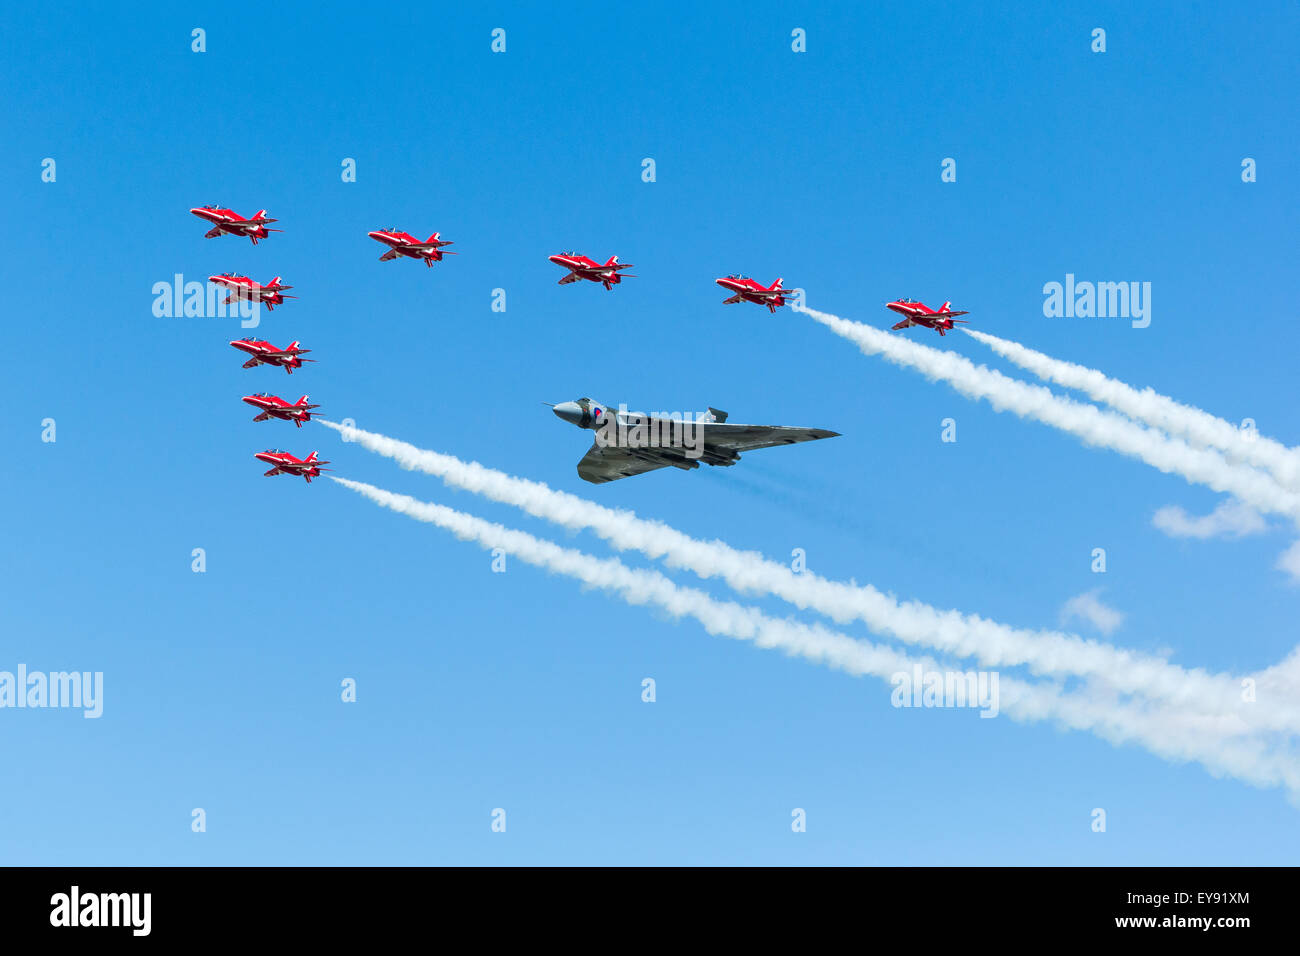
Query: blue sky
[(519, 690)]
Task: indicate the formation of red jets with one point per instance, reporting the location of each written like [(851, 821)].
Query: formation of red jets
[(261, 352), (402, 244)]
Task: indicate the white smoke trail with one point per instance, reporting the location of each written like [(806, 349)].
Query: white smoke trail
[(1087, 422), (1147, 405), (988, 642), (1222, 746)]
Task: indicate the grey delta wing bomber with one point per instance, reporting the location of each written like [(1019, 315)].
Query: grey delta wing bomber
[(632, 443)]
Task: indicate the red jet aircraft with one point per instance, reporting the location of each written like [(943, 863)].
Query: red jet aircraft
[(748, 290), (286, 464), (273, 406), (264, 353), (916, 313), (404, 244), (227, 220), (581, 267), (242, 287)]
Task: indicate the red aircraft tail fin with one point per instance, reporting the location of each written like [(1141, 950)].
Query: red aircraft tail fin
[(945, 307), (292, 346), (311, 457), (775, 285), (259, 214), (613, 260), (302, 401), (273, 283), (433, 238)]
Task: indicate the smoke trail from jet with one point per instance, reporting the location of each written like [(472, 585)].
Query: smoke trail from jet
[(1147, 405), (966, 635), (1222, 745), (1087, 422)]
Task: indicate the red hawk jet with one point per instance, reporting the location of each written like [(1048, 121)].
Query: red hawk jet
[(748, 290), (273, 406), (286, 464), (227, 220), (264, 353), (916, 313), (404, 244), (242, 287), (581, 267)]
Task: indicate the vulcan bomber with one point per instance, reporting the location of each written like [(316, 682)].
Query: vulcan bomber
[(632, 443)]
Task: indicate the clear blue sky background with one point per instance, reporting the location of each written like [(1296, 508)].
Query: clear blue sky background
[(519, 690)]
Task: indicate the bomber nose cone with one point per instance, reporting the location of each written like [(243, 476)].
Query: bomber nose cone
[(570, 412)]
